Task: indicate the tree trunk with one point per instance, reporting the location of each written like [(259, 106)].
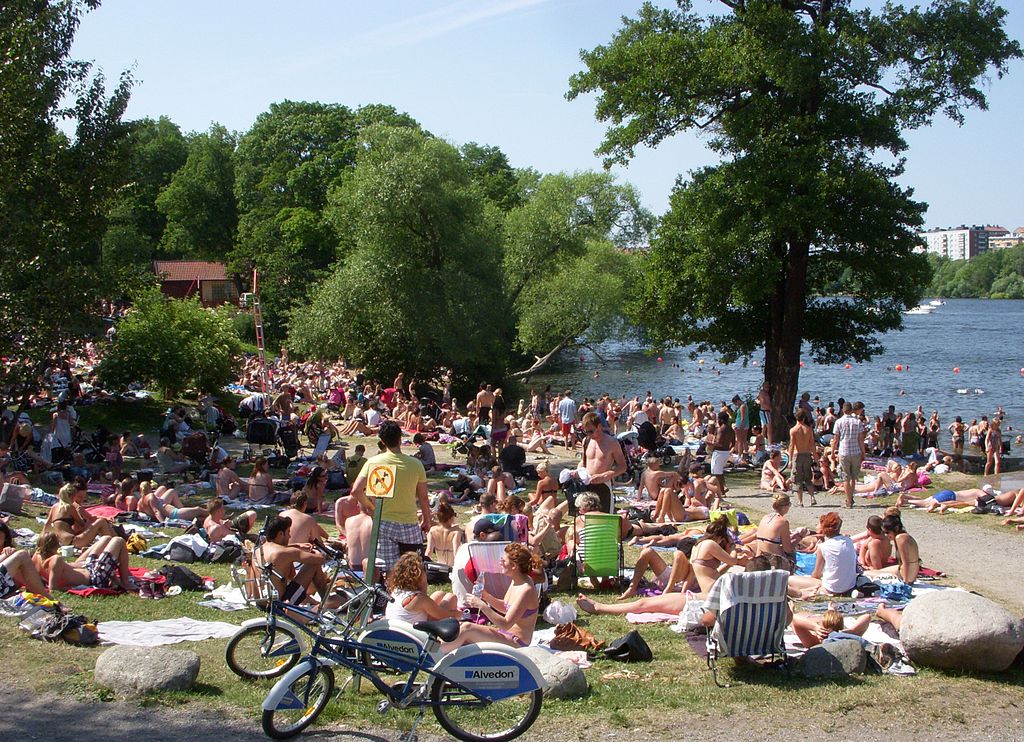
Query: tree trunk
[(785, 334), (544, 360)]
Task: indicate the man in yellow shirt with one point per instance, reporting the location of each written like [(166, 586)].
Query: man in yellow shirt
[(402, 482)]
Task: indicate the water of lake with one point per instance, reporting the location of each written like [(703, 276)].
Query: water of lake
[(983, 338)]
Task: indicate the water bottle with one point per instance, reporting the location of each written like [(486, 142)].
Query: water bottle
[(478, 590)]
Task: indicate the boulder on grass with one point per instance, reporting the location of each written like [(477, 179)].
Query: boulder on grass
[(834, 659), (565, 679), (957, 630), (134, 671)]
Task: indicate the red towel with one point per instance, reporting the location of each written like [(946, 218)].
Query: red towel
[(88, 592), (103, 511)]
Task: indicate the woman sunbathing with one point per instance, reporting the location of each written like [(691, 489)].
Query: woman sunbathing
[(94, 568), (163, 503), (71, 523), (894, 479), (710, 557), (772, 478), (678, 577), (908, 555), (773, 534), (514, 617)]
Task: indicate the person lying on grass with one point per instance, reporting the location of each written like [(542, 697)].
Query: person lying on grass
[(17, 570), (514, 616), (72, 523), (163, 503), (711, 557), (813, 630), (410, 601), (96, 567)]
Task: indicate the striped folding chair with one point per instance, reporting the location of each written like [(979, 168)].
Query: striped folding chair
[(751, 610)]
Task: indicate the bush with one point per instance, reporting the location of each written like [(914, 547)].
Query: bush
[(174, 344)]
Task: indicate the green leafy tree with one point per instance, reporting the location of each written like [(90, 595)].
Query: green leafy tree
[(998, 274), (799, 99), (54, 187), (569, 227), (420, 288), (489, 168), (199, 201), (150, 155), (174, 344)]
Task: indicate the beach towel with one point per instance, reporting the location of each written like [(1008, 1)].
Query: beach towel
[(91, 592), (161, 633), (652, 617), (103, 511)]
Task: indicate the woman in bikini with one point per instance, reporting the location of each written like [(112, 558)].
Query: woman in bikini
[(261, 485), (71, 523), (515, 616), (773, 535), (545, 496), (96, 567), (710, 557), (411, 602), (772, 478), (163, 503), (536, 440), (908, 555), (444, 539)]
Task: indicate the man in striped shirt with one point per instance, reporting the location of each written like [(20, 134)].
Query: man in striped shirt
[(850, 432)]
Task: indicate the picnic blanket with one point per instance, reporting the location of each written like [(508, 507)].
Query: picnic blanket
[(160, 633), (652, 617)]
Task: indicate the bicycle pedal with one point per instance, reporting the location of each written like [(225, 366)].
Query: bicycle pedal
[(383, 707)]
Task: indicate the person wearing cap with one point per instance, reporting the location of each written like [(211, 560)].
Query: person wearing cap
[(400, 529)]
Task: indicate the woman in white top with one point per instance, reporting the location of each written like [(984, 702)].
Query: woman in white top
[(410, 601), (835, 568)]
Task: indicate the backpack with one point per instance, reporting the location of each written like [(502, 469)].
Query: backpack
[(225, 552), (629, 648), (182, 577), (178, 552), (74, 628)]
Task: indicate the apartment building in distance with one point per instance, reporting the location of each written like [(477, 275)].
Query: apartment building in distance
[(961, 243)]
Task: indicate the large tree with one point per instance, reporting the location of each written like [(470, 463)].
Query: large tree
[(420, 287), (199, 202), (806, 102), (566, 273), (54, 187)]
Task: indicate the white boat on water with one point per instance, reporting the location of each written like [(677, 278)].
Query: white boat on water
[(923, 309), (937, 303)]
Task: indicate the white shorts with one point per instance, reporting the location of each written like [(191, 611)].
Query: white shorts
[(719, 460)]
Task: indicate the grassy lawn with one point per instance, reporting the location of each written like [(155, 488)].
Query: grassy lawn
[(649, 698)]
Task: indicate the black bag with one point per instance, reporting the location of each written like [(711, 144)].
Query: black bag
[(984, 504), (177, 552), (647, 435), (336, 480), (261, 431), (226, 552), (629, 648), (183, 577), (437, 573)]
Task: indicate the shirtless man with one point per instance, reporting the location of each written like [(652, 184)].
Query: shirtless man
[(484, 402), (801, 453), (874, 551), (908, 556), (764, 402), (305, 529), (357, 539), (661, 486), (602, 458), (294, 586)]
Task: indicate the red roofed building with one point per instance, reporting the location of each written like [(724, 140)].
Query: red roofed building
[(209, 281)]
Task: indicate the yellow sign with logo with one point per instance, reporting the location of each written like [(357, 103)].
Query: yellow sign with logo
[(380, 481)]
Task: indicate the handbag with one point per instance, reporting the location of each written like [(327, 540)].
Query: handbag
[(630, 647), (571, 638), (692, 613)]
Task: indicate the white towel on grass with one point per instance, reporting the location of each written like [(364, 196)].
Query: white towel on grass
[(167, 631)]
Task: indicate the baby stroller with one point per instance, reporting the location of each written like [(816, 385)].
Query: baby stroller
[(288, 433), (196, 447)]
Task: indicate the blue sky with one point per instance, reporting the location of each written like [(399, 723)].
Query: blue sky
[(491, 71)]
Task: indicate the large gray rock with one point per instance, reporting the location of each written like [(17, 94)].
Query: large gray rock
[(565, 679), (958, 630), (834, 659), (133, 671)]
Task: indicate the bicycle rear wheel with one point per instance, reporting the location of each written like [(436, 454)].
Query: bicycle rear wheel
[(254, 654), (471, 719), (309, 694)]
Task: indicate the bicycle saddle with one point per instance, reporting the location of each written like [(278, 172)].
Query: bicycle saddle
[(446, 629)]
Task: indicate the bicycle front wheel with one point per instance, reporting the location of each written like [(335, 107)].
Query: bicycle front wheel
[(255, 654), (471, 719), (309, 694)]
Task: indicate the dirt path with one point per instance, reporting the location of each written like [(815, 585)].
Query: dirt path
[(949, 543)]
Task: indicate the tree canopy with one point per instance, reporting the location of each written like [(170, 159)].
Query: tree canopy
[(998, 274), (419, 287), (54, 187), (807, 103)]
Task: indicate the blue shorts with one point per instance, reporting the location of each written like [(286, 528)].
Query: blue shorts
[(766, 418), (944, 496)]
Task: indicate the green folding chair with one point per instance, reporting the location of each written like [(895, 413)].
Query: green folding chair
[(601, 552)]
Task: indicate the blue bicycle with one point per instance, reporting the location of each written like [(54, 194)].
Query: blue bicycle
[(485, 692)]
